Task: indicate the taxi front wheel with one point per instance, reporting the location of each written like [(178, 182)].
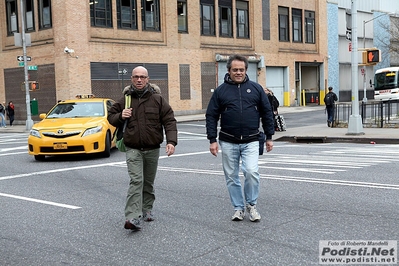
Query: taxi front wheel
[(107, 149)]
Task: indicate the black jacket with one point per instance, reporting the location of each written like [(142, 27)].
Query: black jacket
[(333, 97), (274, 102), (239, 107)]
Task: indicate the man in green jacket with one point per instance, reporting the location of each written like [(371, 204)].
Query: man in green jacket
[(148, 116)]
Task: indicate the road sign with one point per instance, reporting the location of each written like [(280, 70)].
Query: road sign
[(122, 72), (21, 64), (21, 58), (32, 67), (349, 35)]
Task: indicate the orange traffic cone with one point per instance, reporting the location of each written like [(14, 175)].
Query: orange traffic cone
[(312, 99), (317, 99)]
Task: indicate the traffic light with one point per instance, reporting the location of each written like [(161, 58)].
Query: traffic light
[(33, 86), (373, 56)]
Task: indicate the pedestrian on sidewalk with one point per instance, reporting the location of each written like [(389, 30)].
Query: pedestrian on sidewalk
[(273, 100), (2, 114), (10, 112), (148, 118), (330, 100), (275, 104), (240, 104)]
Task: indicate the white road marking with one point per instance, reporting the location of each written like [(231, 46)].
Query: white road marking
[(332, 182), (12, 153), (41, 201), (15, 148), (193, 134), (292, 178), (312, 163), (212, 172), (59, 170)]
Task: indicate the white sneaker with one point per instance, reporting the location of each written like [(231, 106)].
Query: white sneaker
[(254, 215), (238, 215)]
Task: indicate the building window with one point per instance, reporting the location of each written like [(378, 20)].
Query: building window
[(44, 14), (29, 22), (309, 27), (283, 29), (225, 18), (182, 15), (208, 17), (100, 13), (242, 19), (12, 16), (184, 74), (150, 15), (127, 14), (296, 25)]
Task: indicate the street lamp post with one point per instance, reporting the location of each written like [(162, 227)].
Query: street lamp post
[(364, 47), (29, 121), (355, 126)]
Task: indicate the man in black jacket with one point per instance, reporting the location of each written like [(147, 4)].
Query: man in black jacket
[(240, 104), (330, 100), (148, 116)]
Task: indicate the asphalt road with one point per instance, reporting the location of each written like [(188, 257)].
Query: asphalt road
[(69, 210)]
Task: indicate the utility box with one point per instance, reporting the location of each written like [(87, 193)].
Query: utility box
[(34, 107)]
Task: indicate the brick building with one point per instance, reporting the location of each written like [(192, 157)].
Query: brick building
[(184, 44)]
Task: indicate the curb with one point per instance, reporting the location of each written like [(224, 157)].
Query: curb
[(325, 139)]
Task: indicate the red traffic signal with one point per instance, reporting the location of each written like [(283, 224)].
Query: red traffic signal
[(33, 86), (373, 56)]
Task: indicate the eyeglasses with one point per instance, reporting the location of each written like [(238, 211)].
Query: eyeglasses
[(139, 77)]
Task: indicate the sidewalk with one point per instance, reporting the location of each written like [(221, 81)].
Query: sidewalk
[(307, 134)]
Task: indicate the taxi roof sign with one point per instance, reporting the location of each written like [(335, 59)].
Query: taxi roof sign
[(85, 96)]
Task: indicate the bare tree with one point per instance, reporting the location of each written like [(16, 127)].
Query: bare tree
[(390, 46)]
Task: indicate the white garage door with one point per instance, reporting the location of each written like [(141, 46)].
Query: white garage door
[(275, 82)]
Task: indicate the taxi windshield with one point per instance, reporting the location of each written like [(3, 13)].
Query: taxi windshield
[(77, 109)]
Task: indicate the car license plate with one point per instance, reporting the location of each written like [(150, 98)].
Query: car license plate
[(60, 146), (385, 91)]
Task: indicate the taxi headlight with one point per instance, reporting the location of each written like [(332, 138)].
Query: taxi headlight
[(34, 133), (93, 130)]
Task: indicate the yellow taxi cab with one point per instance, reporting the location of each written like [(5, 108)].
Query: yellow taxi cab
[(77, 126)]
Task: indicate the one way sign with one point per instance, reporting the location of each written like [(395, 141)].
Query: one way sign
[(21, 58)]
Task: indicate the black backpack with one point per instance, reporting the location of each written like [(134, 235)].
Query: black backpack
[(329, 99)]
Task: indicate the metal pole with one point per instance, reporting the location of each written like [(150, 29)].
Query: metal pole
[(365, 68), (364, 34), (355, 126), (29, 121)]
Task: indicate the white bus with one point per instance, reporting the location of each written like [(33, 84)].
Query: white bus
[(386, 84)]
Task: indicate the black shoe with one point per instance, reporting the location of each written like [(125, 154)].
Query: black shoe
[(329, 123), (133, 224)]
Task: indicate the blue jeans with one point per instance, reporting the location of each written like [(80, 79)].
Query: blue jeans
[(330, 113), (3, 120), (249, 155)]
